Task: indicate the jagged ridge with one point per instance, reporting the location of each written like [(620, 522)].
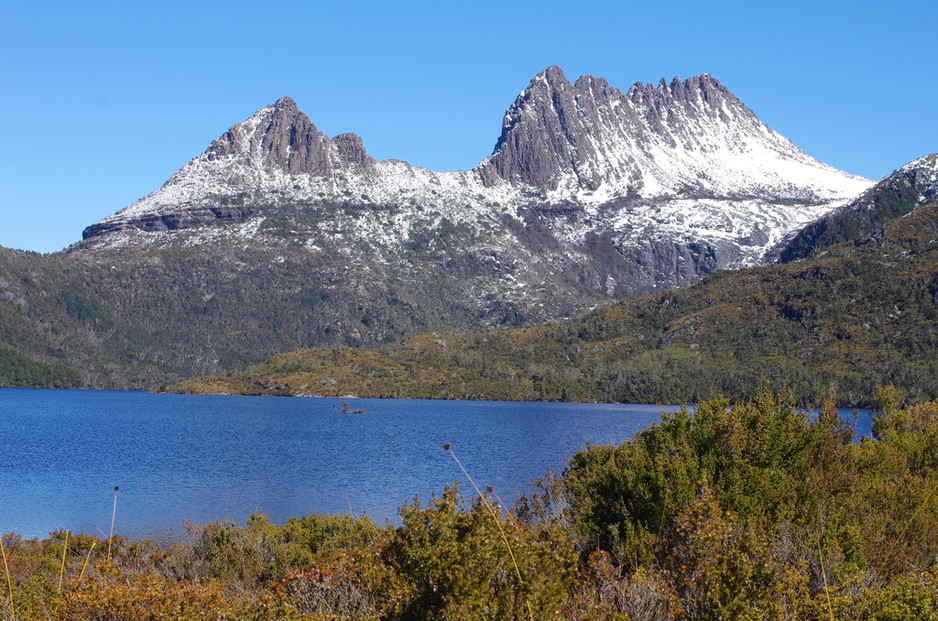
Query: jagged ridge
[(691, 137), (585, 144)]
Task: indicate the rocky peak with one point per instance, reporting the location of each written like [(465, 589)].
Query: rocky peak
[(556, 132), (651, 140), (349, 153), (288, 104), (923, 176), (251, 157), (282, 138), (540, 136)]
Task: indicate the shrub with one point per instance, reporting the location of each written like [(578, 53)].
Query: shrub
[(453, 563)]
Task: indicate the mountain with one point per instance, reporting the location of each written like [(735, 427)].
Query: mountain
[(279, 237), (679, 172), (692, 139), (895, 196), (863, 314)]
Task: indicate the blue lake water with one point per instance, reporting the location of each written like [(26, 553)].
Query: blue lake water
[(198, 458)]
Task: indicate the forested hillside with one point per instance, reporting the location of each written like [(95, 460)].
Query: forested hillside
[(862, 315), (893, 197)]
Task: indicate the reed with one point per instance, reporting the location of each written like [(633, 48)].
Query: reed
[(498, 522), (62, 569), (87, 558), (6, 569), (827, 592), (110, 537)]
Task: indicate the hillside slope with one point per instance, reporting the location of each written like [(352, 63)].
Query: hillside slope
[(895, 196), (863, 315)]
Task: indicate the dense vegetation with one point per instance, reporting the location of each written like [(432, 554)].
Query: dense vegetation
[(862, 315), (745, 511), (142, 316), (18, 371), (128, 320)]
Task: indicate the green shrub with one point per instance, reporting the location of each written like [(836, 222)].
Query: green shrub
[(459, 562)]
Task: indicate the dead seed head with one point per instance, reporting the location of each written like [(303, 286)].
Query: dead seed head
[(446, 446)]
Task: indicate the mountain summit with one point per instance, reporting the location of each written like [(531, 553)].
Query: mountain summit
[(280, 138), (690, 138)]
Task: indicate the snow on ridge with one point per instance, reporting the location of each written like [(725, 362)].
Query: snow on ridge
[(747, 183), (929, 162), (731, 153), (691, 136), (462, 197)]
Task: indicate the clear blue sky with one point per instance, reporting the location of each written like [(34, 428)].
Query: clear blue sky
[(102, 101)]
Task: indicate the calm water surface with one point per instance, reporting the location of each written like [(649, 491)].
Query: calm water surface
[(199, 458)]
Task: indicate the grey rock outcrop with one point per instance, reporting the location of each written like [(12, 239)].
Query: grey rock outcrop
[(652, 140), (281, 138), (349, 154)]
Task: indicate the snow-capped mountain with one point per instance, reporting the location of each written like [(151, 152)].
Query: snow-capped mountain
[(690, 138), (292, 238), (684, 162)]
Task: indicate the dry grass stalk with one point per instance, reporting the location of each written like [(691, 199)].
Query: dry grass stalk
[(827, 592), (498, 522), (6, 569), (87, 558), (110, 537), (62, 570)]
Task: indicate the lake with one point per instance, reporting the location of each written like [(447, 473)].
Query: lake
[(200, 458)]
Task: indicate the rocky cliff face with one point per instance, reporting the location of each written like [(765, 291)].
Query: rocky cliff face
[(280, 138), (690, 138)]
